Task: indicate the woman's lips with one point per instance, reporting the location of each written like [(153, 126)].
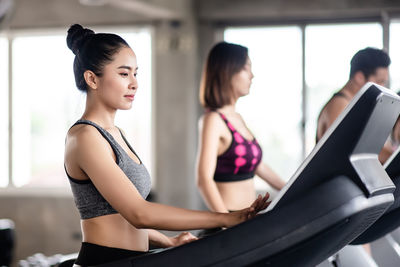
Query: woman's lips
[(131, 97)]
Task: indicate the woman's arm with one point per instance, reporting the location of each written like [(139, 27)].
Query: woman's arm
[(268, 175), (96, 159), (160, 240), (209, 137)]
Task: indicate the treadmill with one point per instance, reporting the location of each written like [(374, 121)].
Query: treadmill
[(339, 191), (390, 220)]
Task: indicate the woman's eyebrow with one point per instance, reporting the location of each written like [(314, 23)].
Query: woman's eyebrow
[(126, 67)]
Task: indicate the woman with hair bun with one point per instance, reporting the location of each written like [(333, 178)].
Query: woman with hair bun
[(229, 155), (108, 180)]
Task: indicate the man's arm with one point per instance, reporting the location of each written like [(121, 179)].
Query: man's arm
[(330, 113)]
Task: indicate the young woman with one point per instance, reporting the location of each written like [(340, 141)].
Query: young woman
[(229, 155), (109, 181)]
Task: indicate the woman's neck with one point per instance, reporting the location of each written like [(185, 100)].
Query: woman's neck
[(100, 115), (228, 109)]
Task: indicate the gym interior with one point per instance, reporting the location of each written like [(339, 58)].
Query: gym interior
[(300, 52)]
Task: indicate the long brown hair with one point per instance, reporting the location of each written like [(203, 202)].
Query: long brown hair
[(224, 61)]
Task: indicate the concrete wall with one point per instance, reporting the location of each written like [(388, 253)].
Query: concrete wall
[(175, 107), (45, 222), (237, 11)]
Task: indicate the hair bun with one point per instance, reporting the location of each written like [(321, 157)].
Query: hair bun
[(77, 36)]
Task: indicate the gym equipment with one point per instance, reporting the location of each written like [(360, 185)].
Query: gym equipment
[(390, 220), (7, 241), (339, 191)]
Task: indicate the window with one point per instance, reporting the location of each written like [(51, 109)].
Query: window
[(136, 122), (4, 111), (272, 110), (328, 51), (46, 103), (395, 55)]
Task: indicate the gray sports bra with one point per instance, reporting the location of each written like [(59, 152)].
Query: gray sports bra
[(88, 200)]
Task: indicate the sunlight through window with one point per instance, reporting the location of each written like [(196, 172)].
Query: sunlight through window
[(395, 56), (272, 110), (46, 103), (329, 49), (4, 111)]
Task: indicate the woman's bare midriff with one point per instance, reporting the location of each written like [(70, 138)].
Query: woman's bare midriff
[(114, 231), (237, 195)]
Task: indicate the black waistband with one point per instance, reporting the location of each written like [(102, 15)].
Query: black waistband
[(229, 177), (92, 254)]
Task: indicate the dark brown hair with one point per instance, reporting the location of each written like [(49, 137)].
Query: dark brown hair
[(368, 60), (92, 51), (224, 61)]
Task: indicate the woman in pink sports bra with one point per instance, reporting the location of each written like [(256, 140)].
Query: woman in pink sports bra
[(228, 155)]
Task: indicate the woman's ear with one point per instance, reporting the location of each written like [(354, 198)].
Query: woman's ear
[(91, 79)]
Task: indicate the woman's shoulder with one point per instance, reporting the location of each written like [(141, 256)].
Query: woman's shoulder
[(81, 131), (210, 117), (211, 123), (83, 135)]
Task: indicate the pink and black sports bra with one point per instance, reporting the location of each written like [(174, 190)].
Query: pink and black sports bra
[(240, 160)]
